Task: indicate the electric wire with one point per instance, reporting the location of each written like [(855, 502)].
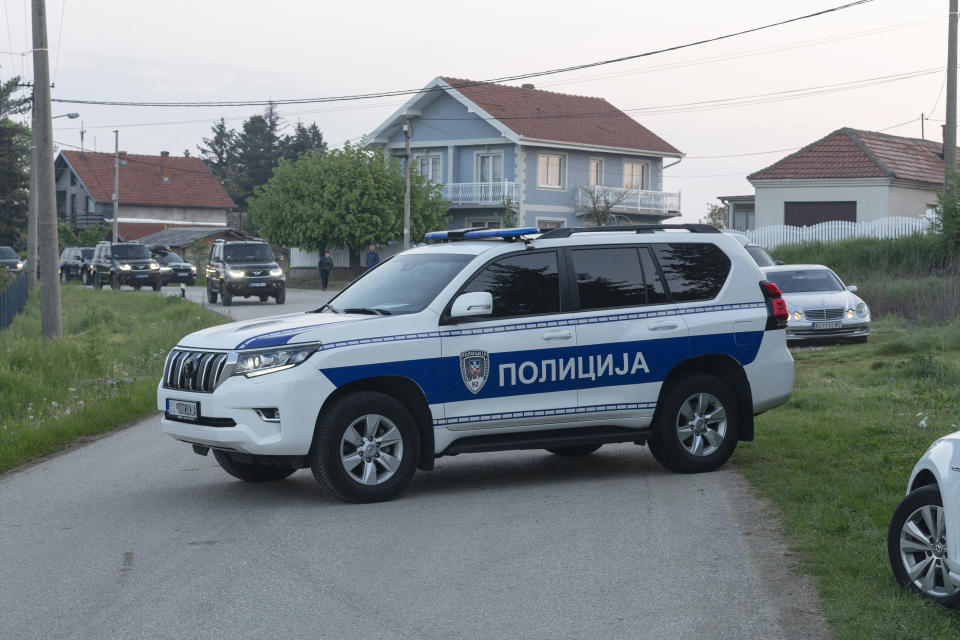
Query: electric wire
[(56, 62)]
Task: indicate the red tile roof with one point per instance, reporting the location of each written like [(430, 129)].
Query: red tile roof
[(560, 117), (851, 153), (191, 183)]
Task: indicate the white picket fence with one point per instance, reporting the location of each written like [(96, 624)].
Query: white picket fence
[(776, 235)]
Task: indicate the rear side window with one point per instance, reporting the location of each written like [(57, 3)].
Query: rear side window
[(656, 291), (693, 271), (525, 284), (609, 278)]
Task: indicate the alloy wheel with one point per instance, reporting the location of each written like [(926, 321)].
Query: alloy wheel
[(371, 449), (701, 424), (923, 552)]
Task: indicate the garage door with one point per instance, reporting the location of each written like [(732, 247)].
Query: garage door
[(805, 214)]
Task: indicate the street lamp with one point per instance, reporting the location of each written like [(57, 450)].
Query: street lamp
[(72, 116)]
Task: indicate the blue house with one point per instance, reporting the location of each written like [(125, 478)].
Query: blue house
[(552, 158)]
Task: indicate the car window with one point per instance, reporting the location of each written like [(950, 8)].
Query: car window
[(248, 251), (609, 277), (760, 255), (86, 253), (7, 253), (805, 280), (525, 284), (694, 271), (168, 257), (130, 251), (656, 291)]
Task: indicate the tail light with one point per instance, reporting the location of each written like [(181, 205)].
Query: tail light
[(776, 305)]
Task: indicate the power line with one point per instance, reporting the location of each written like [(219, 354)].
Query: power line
[(939, 93), (56, 63), (523, 76)]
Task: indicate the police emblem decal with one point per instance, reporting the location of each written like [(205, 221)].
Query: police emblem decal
[(475, 368)]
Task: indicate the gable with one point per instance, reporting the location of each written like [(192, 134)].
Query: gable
[(445, 118)]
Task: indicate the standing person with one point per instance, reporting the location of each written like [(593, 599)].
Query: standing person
[(373, 257), (325, 266)]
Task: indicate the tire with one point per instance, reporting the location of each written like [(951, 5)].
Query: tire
[(579, 450), (114, 281), (226, 299), (264, 298), (281, 296), (63, 276), (84, 277), (911, 546), (191, 282), (342, 456), (251, 471), (211, 295), (136, 286), (98, 282), (157, 284), (696, 425), (861, 339)]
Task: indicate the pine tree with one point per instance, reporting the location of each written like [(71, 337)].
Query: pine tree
[(14, 165)]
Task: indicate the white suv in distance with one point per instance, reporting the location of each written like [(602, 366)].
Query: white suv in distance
[(494, 340)]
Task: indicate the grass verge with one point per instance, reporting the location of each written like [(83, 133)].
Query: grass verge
[(835, 461), (102, 374)]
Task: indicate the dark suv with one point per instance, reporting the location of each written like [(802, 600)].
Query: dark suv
[(123, 263), (75, 263), (173, 268), (10, 260), (243, 268)]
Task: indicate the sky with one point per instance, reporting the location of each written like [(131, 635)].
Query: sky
[(245, 50)]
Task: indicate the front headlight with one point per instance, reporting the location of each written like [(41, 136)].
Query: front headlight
[(263, 361), (797, 316), (862, 309), (124, 267), (154, 265), (166, 268), (193, 269), (233, 273), (19, 265), (276, 272)]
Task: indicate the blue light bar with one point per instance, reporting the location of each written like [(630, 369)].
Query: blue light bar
[(474, 234)]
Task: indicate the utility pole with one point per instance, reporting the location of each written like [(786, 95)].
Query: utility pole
[(406, 193), (51, 321), (950, 130), (116, 184), (32, 211), (922, 135)]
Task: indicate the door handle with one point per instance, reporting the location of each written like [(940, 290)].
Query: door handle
[(560, 334), (663, 325)]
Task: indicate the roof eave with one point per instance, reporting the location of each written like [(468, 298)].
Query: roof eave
[(595, 147)]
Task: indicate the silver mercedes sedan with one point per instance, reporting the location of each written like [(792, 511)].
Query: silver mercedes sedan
[(821, 307)]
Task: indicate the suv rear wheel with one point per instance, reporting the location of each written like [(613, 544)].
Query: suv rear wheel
[(366, 447), (696, 426), (251, 471)]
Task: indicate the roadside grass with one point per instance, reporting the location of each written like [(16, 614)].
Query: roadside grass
[(835, 461), (102, 374)]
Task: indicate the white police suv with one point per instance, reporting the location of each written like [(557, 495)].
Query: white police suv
[(492, 340)]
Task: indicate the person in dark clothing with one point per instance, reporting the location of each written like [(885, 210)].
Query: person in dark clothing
[(372, 257), (325, 266)]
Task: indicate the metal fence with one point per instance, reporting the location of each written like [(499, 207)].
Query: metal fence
[(894, 227), (12, 300)]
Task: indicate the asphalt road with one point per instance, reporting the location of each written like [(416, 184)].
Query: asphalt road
[(135, 536)]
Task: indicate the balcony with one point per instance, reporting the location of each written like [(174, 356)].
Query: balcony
[(479, 194), (629, 200)]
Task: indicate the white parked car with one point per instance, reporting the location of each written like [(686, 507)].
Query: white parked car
[(488, 341), (924, 537), (821, 307)]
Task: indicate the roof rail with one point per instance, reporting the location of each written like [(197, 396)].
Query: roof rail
[(566, 232)]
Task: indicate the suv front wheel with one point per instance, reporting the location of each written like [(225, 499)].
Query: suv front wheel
[(366, 447), (226, 298), (696, 427)]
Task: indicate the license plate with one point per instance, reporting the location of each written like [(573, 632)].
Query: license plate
[(827, 325), (143, 275), (183, 409), (181, 273), (258, 284)]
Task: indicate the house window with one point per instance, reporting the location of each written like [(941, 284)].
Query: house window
[(634, 175), (489, 167), (807, 214), (550, 171), (545, 224), (73, 179), (90, 208), (742, 219), (596, 171), (61, 204), (483, 223), (73, 209), (429, 167)]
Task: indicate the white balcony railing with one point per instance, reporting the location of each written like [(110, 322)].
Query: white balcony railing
[(465, 194), (630, 200)]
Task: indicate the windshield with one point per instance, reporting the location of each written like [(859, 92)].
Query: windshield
[(247, 252), (404, 284), (169, 258), (6, 253), (87, 253), (760, 255), (127, 251), (804, 281)]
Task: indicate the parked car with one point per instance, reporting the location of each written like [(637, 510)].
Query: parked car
[(75, 263), (495, 339), (243, 268), (173, 268), (759, 254), (125, 263), (924, 535), (10, 260), (821, 307)]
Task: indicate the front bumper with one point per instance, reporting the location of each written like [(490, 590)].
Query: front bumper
[(188, 277), (138, 277), (255, 286), (297, 394), (803, 330)]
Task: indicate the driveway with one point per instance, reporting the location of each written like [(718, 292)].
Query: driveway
[(135, 536)]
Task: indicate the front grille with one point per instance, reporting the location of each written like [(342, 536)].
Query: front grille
[(141, 267), (258, 272), (194, 370), (823, 314)]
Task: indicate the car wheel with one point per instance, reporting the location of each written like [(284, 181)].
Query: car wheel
[(136, 286), (695, 428), (84, 277), (580, 450), (251, 471), (211, 294), (63, 276), (226, 299), (114, 281), (157, 284), (281, 296), (366, 447), (191, 282), (98, 282), (917, 547), (264, 298)]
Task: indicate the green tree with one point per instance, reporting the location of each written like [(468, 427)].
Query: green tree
[(14, 165), (258, 149), (600, 204), (348, 197), (304, 138), (716, 216), (947, 220), (219, 150), (65, 236), (90, 236)]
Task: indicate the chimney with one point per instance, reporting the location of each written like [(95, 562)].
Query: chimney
[(527, 85), (163, 166)]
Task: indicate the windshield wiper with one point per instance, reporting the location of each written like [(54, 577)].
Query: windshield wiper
[(327, 306), (368, 311)]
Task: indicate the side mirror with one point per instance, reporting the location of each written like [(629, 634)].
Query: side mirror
[(477, 303), (852, 288)]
